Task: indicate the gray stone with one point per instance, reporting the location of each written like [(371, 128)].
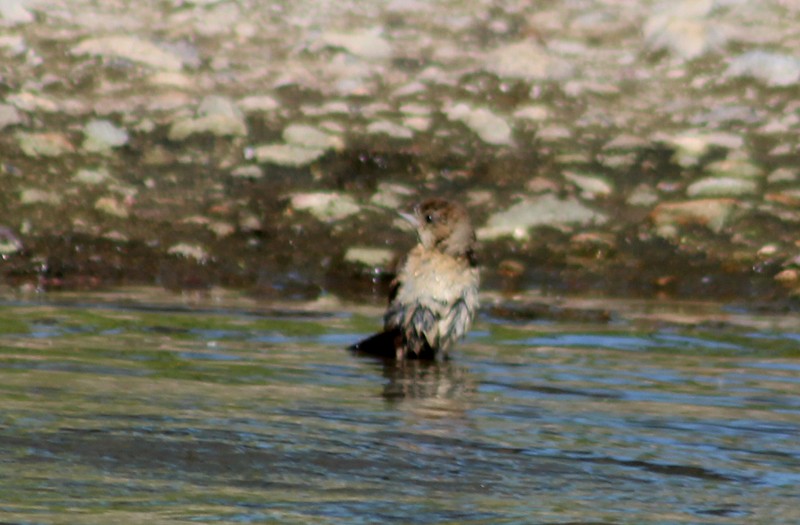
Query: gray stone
[(389, 128), (310, 137), (590, 185), (544, 210), (287, 154)]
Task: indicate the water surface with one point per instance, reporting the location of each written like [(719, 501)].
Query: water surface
[(137, 408)]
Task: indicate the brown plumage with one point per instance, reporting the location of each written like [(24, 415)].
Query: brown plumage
[(435, 294)]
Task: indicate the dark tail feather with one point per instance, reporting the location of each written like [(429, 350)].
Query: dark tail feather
[(383, 344)]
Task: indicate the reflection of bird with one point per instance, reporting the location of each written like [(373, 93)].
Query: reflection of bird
[(435, 294)]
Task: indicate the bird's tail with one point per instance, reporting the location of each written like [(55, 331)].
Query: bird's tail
[(383, 344)]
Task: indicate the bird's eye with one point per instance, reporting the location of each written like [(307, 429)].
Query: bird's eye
[(429, 218)]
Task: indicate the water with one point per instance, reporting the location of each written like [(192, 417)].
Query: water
[(142, 408)]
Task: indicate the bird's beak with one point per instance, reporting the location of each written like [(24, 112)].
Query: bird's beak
[(410, 217)]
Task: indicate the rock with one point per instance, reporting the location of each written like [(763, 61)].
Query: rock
[(527, 61), (92, 177), (311, 137), (591, 186), (788, 276), (371, 257), (101, 136), (111, 206), (721, 187), (247, 172), (216, 115), (773, 69), (391, 196), (683, 30), (490, 127), (255, 103), (189, 251), (535, 113), (13, 12), (44, 144), (9, 242), (325, 206), (389, 128), (9, 116), (366, 44), (714, 214), (544, 210), (129, 48), (735, 166), (642, 195), (36, 196), (691, 146), (782, 175), (287, 154)]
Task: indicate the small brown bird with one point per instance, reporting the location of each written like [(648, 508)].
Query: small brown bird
[(434, 297)]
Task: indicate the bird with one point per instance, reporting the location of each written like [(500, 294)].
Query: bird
[(434, 296)]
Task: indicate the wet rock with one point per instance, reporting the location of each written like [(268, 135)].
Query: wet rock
[(325, 206), (216, 115), (43, 144), (714, 214), (526, 60), (36, 196), (101, 136), (367, 44), (591, 186), (9, 116), (780, 175), (391, 129), (32, 102), (787, 277), (370, 257), (221, 229), (111, 206), (490, 127), (534, 112), (773, 69), (14, 12), (721, 187), (544, 210), (129, 48)]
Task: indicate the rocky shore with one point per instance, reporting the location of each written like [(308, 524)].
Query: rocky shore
[(602, 146)]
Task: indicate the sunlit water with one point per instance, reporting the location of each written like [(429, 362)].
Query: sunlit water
[(120, 410)]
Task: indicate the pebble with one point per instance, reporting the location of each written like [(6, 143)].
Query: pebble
[(256, 103), (9, 116), (111, 206), (773, 69), (310, 137), (367, 44), (36, 196), (13, 12), (101, 136), (714, 214), (544, 210), (189, 251), (526, 60), (325, 206), (43, 144), (591, 186), (684, 35), (287, 154), (371, 257), (721, 187), (490, 127), (216, 115), (92, 177), (129, 48), (385, 127)]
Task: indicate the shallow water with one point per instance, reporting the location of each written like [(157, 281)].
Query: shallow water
[(139, 407)]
